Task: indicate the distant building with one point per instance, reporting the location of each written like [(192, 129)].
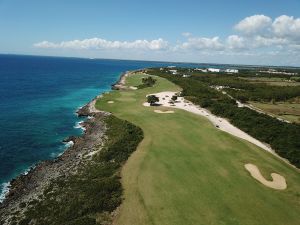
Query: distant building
[(231, 71), (186, 75), (202, 70), (273, 71), (213, 70), (174, 72)]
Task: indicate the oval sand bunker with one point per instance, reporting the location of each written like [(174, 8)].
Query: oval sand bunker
[(110, 102), (278, 181), (159, 111)]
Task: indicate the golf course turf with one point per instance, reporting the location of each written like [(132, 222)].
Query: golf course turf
[(187, 172)]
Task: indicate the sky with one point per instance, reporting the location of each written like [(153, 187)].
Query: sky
[(256, 32)]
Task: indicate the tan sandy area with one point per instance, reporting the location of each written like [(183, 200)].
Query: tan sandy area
[(278, 181), (160, 111)]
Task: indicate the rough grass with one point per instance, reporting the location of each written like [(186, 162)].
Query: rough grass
[(284, 110), (186, 171), (273, 81)]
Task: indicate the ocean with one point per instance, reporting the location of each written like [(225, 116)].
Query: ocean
[(38, 100)]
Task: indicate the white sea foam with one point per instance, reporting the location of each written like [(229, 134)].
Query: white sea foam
[(5, 186), (79, 125), (5, 189), (27, 170), (69, 144)]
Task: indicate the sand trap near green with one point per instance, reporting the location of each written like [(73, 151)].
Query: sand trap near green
[(278, 181), (161, 111), (188, 172)]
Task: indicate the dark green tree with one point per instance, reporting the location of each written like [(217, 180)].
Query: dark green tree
[(174, 97), (152, 99)]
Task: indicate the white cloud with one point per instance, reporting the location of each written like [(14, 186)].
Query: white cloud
[(186, 34), (235, 42), (254, 24), (260, 41), (98, 43), (287, 26), (201, 43), (259, 36)]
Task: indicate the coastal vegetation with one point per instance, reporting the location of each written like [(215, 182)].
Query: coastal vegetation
[(146, 82), (186, 171), (283, 137), (89, 196)]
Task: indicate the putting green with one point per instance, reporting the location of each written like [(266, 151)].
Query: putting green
[(186, 171)]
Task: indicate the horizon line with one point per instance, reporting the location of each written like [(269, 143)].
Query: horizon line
[(155, 61)]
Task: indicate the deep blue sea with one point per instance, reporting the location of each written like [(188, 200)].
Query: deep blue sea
[(38, 100)]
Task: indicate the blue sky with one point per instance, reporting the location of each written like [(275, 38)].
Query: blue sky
[(224, 31)]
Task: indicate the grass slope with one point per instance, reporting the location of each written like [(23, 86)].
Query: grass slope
[(284, 110), (186, 171)]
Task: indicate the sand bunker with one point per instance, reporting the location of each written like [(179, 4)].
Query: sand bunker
[(278, 182), (110, 102), (160, 111)]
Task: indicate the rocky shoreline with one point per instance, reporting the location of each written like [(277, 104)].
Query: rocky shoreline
[(121, 81), (120, 84), (28, 187)]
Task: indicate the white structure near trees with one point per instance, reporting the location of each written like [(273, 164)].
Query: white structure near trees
[(213, 70), (231, 71), (173, 71)]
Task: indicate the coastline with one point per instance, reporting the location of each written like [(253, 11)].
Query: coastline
[(88, 111), (30, 185)]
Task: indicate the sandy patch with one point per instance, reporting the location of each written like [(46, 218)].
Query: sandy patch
[(278, 181), (160, 111), (92, 105), (110, 102), (133, 88)]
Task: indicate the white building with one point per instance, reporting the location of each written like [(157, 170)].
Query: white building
[(231, 71), (173, 71), (185, 75), (213, 70), (202, 70)]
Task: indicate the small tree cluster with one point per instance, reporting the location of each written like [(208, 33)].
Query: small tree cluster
[(152, 99), (149, 81)]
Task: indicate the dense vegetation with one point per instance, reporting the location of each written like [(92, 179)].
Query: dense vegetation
[(247, 91), (147, 82), (95, 190), (283, 137)]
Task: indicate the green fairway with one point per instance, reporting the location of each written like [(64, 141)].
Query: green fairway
[(187, 172)]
